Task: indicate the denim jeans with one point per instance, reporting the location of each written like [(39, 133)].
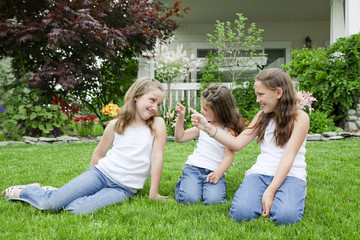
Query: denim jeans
[(82, 195), (192, 187), (288, 205)]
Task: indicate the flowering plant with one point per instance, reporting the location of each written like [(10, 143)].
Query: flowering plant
[(84, 125), (2, 109), (110, 110), (170, 64), (305, 99), (85, 119), (66, 108), (245, 122)]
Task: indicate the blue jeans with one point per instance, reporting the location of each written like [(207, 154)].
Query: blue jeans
[(84, 194), (192, 187), (288, 205)]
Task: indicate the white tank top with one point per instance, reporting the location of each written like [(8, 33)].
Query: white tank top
[(269, 158), (128, 161), (209, 153)]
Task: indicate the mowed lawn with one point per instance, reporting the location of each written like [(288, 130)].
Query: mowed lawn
[(332, 208)]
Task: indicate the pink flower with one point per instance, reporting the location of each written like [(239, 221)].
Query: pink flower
[(305, 99), (170, 115)]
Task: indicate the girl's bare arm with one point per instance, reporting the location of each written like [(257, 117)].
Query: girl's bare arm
[(105, 143), (157, 157), (301, 128)]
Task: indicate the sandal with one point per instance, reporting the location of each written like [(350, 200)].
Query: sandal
[(49, 188), (10, 192)]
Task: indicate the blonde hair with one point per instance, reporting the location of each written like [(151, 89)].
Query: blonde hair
[(286, 109), (221, 101), (127, 112)]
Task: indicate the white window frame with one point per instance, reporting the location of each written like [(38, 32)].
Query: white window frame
[(264, 45)]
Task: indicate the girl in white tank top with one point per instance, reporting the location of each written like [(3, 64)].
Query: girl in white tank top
[(204, 176), (275, 185), (137, 137)]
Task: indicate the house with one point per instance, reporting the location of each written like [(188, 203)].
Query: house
[(287, 24)]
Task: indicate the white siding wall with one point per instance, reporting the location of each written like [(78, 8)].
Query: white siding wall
[(293, 33)]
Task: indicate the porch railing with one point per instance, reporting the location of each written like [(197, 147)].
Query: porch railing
[(188, 92)]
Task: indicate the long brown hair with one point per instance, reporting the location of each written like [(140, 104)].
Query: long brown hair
[(286, 109), (222, 103), (127, 112)]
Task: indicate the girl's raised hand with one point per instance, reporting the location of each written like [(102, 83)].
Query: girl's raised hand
[(199, 120), (180, 109)]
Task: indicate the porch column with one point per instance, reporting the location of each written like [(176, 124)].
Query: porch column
[(352, 17), (337, 21), (146, 68)]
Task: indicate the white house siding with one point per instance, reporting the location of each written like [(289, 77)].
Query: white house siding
[(194, 36)]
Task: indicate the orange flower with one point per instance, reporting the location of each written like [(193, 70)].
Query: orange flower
[(111, 110)]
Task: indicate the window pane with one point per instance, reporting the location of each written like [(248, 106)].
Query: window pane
[(202, 53), (276, 57)]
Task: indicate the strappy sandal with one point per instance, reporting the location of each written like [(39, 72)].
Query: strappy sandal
[(48, 188), (10, 192)]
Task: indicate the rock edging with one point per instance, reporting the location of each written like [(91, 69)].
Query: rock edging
[(50, 141), (353, 123), (327, 136)]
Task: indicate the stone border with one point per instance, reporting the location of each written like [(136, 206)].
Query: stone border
[(353, 123), (327, 136), (50, 141)]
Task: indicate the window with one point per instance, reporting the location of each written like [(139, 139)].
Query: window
[(278, 53), (202, 53), (276, 57)]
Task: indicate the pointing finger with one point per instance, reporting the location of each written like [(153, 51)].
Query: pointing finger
[(193, 110)]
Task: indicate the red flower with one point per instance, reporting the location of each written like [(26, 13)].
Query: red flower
[(247, 122), (85, 118)]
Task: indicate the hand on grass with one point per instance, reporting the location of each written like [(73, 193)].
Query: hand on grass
[(267, 201), (157, 197)]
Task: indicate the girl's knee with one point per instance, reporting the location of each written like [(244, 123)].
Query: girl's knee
[(184, 198), (241, 211), (214, 199), (83, 211), (187, 195), (286, 216)]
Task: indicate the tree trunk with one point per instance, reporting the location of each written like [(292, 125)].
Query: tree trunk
[(168, 92)]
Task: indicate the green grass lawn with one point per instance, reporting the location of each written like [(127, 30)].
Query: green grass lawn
[(332, 208)]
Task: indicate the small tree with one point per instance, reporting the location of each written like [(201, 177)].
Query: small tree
[(236, 48), (171, 64)]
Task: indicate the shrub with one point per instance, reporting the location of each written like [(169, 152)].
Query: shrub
[(332, 75), (245, 99), (27, 113), (99, 130), (320, 122)]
